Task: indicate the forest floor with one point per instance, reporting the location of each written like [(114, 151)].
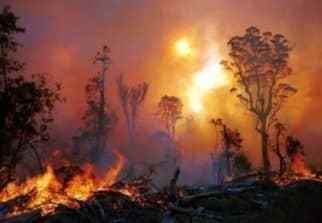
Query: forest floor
[(298, 201)]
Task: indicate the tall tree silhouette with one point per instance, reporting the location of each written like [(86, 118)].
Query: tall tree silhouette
[(259, 62), (170, 111), (98, 118), (131, 97), (26, 104)]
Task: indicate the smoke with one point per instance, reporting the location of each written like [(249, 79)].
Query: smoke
[(62, 39)]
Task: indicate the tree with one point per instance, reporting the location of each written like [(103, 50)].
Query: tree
[(170, 111), (259, 62), (276, 147), (296, 156), (289, 151), (131, 99), (242, 165), (231, 140), (98, 118), (293, 146), (26, 104)]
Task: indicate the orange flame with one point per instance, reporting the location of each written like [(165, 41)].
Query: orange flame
[(299, 166), (47, 192), (111, 175), (82, 186)]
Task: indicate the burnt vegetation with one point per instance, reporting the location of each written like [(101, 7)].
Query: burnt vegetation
[(239, 192)]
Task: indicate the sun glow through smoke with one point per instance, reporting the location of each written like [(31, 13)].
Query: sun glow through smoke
[(183, 47), (210, 77)]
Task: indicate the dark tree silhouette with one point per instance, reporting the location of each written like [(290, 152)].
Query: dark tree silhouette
[(259, 62), (26, 104), (131, 99), (277, 144), (170, 111), (231, 140), (242, 165), (98, 118), (289, 151), (293, 146), (296, 156)]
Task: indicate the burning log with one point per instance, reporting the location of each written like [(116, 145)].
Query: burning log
[(16, 205)]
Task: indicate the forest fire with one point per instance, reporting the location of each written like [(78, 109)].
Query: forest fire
[(197, 97), (299, 166), (46, 191)]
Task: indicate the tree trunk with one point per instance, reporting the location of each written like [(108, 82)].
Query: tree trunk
[(101, 125), (173, 133), (227, 152), (282, 165), (129, 129), (282, 162), (264, 144)]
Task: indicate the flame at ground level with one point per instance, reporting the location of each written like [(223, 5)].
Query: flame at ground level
[(47, 192), (300, 167)]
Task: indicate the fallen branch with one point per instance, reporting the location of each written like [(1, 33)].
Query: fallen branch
[(190, 199), (29, 217), (173, 186), (191, 212)]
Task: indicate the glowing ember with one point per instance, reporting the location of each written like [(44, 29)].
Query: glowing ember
[(208, 78), (182, 47)]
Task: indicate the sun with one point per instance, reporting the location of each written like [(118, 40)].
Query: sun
[(182, 47)]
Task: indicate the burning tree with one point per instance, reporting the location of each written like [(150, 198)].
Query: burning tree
[(26, 105), (98, 118), (231, 140), (259, 62), (170, 111), (131, 99), (289, 151), (296, 155), (276, 146)]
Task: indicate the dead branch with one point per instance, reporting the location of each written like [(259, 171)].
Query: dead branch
[(190, 199), (173, 186), (29, 217)]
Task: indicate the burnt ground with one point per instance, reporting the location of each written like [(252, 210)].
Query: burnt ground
[(298, 202)]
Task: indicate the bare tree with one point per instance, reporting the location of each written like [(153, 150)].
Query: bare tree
[(170, 111), (131, 99), (259, 62), (231, 140), (276, 146), (98, 118)]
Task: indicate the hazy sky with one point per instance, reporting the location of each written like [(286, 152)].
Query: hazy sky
[(62, 37)]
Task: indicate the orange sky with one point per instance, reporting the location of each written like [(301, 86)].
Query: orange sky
[(63, 36)]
